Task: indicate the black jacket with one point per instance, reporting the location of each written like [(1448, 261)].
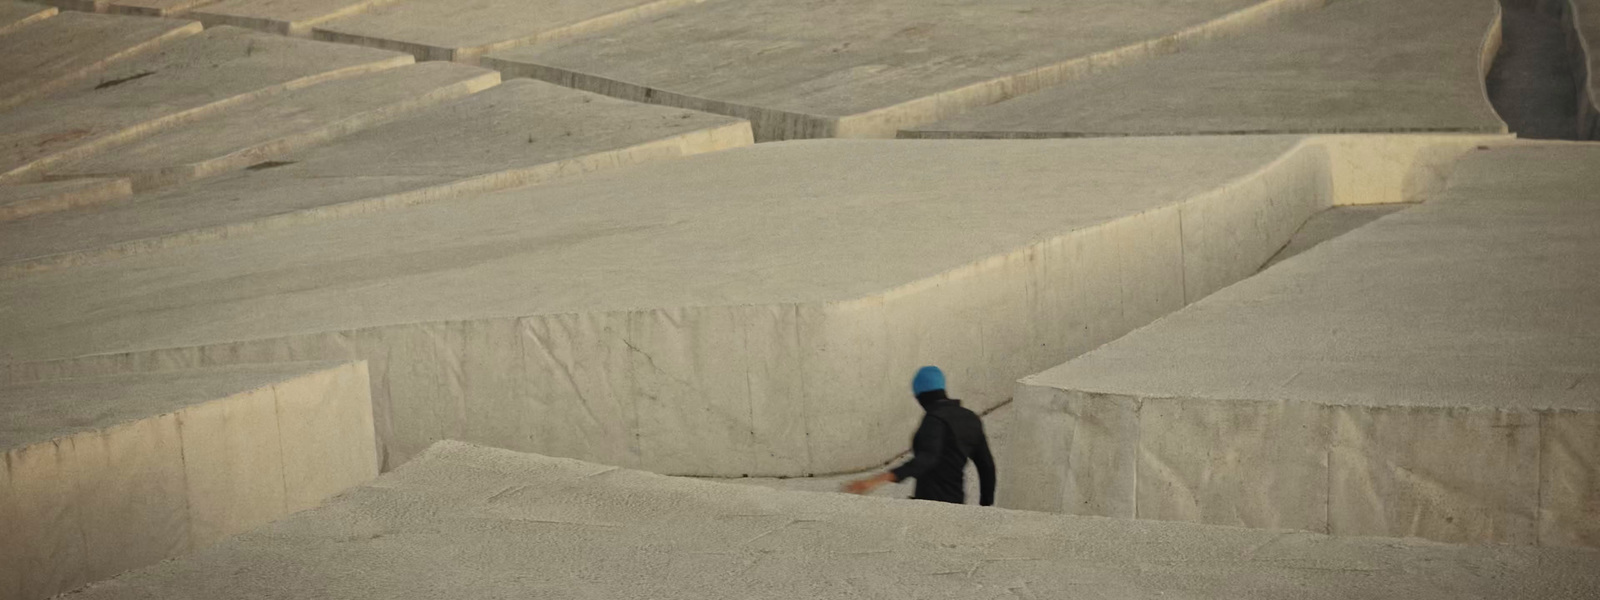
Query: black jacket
[(948, 437)]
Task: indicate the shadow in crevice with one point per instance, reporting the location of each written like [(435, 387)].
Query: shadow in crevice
[(1531, 83)]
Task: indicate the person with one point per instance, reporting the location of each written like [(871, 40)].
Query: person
[(949, 436)]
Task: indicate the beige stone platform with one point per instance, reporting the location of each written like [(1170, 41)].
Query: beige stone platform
[(107, 474), (57, 52), (807, 70), (471, 522), (287, 17), (272, 126), (521, 132), (1355, 66), (15, 15), (753, 311), (1434, 374), (200, 75), (26, 200), (463, 32)]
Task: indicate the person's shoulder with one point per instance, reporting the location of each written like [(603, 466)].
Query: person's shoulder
[(955, 409)]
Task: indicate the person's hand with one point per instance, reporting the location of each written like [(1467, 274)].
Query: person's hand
[(865, 485)]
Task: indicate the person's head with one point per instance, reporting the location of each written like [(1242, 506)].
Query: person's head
[(928, 384)]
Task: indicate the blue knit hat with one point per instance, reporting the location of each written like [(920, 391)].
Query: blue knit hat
[(928, 379)]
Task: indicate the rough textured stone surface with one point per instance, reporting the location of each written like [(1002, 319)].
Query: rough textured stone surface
[(692, 317), (146, 8), (1354, 66), (842, 69), (464, 31), (271, 126), (107, 474), (57, 52), (26, 200), (517, 133), (484, 523), (199, 75), (287, 17), (1421, 376), (15, 15)]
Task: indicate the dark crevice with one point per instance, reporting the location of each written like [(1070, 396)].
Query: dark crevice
[(271, 164), (1531, 82), (121, 80)]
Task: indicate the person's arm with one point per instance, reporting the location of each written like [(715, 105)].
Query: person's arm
[(986, 476), (925, 447)]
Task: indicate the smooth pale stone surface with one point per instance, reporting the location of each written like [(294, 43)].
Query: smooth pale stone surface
[(15, 15), (287, 17), (26, 200), (1447, 355), (695, 316), (465, 31), (843, 69), (274, 125), (1354, 66), (55, 53), (1330, 224), (199, 75), (107, 474), (517, 133), (467, 521)]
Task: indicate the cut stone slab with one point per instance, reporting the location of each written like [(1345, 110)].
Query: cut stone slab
[(1385, 66), (1326, 225), (752, 311), (466, 521), (54, 53), (463, 32), (200, 75), (272, 126), (286, 17), (22, 201), (802, 70), (521, 132), (1432, 374), (107, 474), (15, 15), (145, 8)]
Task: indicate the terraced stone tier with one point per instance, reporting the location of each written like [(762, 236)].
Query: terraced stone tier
[(26, 200), (1355, 66), (1433, 374), (482, 523), (147, 8), (55, 53), (15, 15), (518, 133), (843, 69), (198, 76), (287, 17), (103, 475), (752, 311), (272, 126), (465, 31)]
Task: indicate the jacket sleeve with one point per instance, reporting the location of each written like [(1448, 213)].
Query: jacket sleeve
[(982, 459), (925, 448)]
